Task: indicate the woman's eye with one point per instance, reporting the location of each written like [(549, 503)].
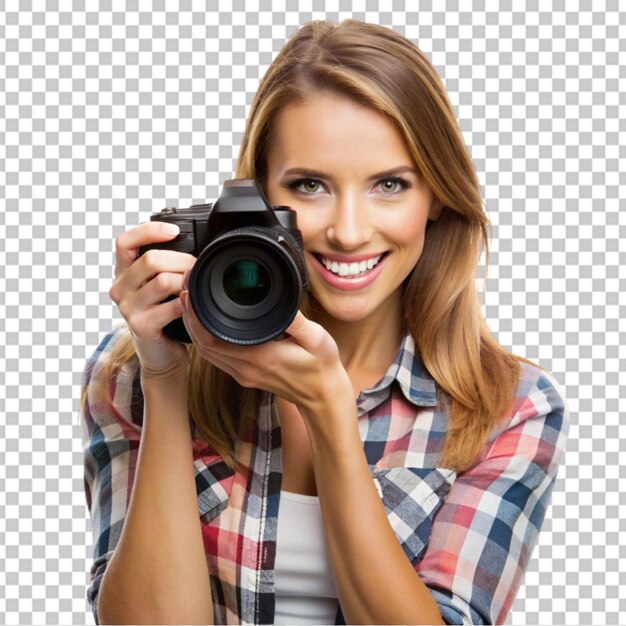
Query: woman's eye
[(308, 185), (392, 185)]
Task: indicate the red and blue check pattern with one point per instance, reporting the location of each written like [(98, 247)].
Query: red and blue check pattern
[(470, 536)]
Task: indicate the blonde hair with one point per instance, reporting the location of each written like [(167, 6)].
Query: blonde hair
[(379, 68)]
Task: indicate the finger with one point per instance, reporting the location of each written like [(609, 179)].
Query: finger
[(152, 302), (155, 262), (311, 336), (201, 337), (186, 276), (128, 243), (149, 323), (158, 289)]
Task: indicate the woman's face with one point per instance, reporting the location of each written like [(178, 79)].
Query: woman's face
[(361, 205)]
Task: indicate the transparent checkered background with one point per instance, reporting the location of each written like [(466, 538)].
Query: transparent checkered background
[(108, 113)]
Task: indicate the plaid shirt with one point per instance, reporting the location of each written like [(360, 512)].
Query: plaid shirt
[(469, 536)]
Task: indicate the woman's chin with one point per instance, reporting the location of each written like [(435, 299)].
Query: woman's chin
[(350, 311)]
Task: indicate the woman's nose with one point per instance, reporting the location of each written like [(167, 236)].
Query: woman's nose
[(348, 228)]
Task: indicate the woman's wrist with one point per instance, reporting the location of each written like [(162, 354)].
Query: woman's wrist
[(332, 420), (165, 395), (175, 373), (172, 380)]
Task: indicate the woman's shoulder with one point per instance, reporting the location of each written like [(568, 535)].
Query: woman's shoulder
[(539, 385), (100, 357), (108, 342), (111, 380), (539, 406)]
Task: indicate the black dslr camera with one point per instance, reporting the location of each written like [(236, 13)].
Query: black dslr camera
[(250, 275)]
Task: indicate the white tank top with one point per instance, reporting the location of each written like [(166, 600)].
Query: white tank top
[(305, 589)]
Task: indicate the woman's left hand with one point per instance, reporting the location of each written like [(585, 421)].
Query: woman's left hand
[(304, 368)]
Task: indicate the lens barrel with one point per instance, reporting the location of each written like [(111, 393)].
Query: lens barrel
[(247, 284)]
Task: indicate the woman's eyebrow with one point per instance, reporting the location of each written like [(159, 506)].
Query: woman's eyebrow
[(395, 171), (305, 172)]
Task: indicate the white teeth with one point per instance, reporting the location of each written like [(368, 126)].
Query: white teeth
[(350, 269)]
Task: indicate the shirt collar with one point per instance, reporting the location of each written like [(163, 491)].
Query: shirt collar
[(416, 383)]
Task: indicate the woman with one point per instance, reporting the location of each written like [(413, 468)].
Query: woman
[(232, 484)]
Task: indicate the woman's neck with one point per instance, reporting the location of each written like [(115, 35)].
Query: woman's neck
[(368, 345)]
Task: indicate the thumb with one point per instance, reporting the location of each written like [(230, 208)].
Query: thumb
[(313, 337), (297, 325)]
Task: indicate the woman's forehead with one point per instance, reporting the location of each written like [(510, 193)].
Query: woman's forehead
[(334, 129)]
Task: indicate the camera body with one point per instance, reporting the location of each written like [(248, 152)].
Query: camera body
[(250, 275)]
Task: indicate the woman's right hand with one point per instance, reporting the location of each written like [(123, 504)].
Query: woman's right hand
[(141, 284)]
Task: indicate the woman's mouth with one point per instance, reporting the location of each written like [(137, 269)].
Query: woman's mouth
[(353, 270), (350, 274)]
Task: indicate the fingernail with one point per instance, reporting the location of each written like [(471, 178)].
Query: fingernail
[(186, 280), (169, 229)]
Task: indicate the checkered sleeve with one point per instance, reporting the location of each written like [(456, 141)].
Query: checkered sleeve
[(484, 533), (110, 441)]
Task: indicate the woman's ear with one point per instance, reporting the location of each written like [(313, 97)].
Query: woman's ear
[(435, 210)]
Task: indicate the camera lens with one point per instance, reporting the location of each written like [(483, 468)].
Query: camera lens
[(246, 282)]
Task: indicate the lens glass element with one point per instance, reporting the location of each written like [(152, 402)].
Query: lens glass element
[(246, 282)]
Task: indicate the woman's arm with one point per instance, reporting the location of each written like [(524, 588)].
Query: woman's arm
[(158, 573), (483, 536), (481, 539), (149, 562), (376, 583)]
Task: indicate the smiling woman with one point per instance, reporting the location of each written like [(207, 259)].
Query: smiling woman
[(386, 462), (347, 171)]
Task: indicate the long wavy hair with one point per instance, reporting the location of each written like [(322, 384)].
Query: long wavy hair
[(379, 68)]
